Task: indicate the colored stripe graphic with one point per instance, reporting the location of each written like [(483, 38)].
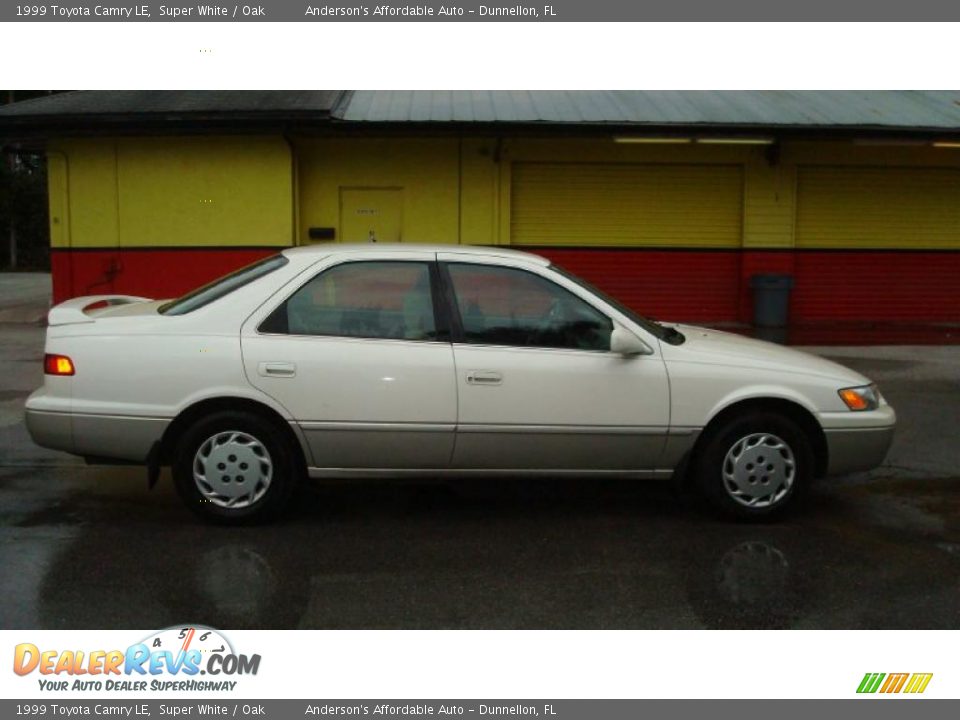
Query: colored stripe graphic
[(894, 683), (870, 682), (918, 682)]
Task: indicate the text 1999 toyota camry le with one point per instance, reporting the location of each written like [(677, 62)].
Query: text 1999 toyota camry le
[(397, 360)]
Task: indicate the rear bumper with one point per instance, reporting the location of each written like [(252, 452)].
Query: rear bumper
[(50, 429), (106, 436), (855, 449)]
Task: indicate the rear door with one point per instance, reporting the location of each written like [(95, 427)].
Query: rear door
[(358, 356)]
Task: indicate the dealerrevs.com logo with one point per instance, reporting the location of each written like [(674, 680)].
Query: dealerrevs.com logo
[(910, 683), (171, 659)]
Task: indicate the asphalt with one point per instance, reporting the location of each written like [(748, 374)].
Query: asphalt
[(91, 547)]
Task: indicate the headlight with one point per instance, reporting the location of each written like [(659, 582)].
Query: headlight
[(866, 397)]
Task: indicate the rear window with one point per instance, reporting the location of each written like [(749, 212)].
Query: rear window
[(223, 286)]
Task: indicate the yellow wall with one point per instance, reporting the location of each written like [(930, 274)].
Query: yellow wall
[(479, 192), (460, 190), (173, 191), (58, 196), (248, 191), (424, 171), (82, 183)]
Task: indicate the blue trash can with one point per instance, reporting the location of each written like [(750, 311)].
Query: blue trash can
[(771, 299)]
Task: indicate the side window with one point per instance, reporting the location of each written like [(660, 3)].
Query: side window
[(390, 300), (506, 306)]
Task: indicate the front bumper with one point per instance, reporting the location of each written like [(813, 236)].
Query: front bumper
[(858, 441)]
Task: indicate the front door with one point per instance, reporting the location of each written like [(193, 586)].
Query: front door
[(538, 386), (355, 355)]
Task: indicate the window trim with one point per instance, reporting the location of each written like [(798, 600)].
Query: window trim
[(449, 299), (458, 334), (439, 315)]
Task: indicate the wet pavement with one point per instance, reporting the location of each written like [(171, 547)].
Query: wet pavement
[(87, 547)]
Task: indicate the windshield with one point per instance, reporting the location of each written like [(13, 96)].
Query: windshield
[(222, 286), (666, 334)]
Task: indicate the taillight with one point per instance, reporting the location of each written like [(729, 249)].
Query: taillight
[(57, 365)]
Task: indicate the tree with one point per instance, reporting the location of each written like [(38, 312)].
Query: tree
[(23, 211), (24, 227)]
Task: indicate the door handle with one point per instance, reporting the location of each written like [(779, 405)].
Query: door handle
[(484, 377), (277, 369)]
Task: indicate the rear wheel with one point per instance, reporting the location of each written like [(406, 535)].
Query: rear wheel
[(236, 467), (755, 465)]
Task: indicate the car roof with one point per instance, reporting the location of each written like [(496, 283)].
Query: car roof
[(353, 248)]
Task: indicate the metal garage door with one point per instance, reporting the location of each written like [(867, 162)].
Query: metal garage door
[(875, 243), (661, 238), (621, 204)]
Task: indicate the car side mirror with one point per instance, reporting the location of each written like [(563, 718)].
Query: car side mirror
[(623, 342)]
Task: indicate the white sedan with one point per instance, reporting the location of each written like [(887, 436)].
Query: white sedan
[(379, 360)]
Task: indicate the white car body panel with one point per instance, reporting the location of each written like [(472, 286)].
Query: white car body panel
[(714, 370), (354, 397), (584, 409)]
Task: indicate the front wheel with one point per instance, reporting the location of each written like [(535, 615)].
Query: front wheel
[(755, 465), (235, 467)]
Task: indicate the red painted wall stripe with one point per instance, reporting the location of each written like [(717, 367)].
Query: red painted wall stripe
[(155, 273), (830, 286), (877, 286), (689, 285), (666, 284)]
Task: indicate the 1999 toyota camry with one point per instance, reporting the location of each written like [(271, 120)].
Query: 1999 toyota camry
[(377, 360)]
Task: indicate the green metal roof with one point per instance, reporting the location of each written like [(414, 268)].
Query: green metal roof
[(753, 108)]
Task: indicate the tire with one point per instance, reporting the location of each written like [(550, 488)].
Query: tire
[(259, 462), (754, 466)]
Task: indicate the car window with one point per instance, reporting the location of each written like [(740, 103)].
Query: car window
[(222, 286), (390, 300), (662, 332), (507, 306)]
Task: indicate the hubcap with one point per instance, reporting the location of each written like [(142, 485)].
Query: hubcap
[(759, 470), (232, 469)]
